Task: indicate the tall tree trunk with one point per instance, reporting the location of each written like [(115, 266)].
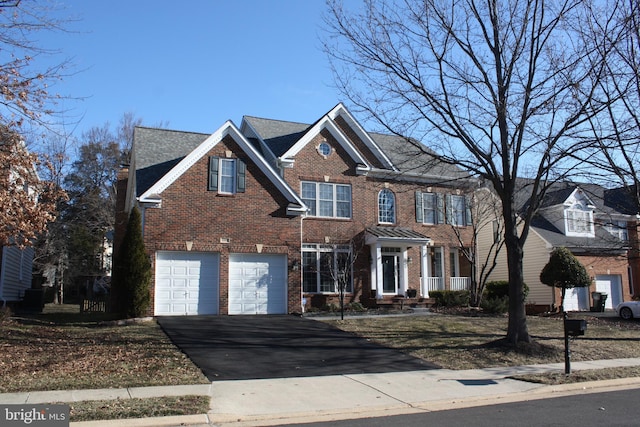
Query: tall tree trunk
[(517, 330)]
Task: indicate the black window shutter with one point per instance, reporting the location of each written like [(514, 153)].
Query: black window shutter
[(213, 173), (440, 207), (241, 172), (419, 208)]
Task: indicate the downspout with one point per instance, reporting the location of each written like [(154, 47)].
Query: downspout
[(302, 302)]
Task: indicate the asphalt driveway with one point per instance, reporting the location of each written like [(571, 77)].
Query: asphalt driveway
[(258, 347)]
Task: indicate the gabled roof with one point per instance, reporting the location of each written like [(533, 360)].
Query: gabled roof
[(278, 136), (397, 156), (603, 242), (172, 162), (285, 139), (558, 194)]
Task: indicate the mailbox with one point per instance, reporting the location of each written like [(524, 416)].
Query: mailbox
[(575, 327)]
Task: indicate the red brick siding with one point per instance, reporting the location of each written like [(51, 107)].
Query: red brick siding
[(340, 168), (191, 213), (603, 265)]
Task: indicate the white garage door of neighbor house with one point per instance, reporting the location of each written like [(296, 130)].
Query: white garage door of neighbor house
[(257, 284), (611, 284), (187, 283), (576, 299)]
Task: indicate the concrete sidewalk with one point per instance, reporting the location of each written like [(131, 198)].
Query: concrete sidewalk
[(307, 399)]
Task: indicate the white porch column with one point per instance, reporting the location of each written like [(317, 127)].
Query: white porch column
[(424, 271), (403, 283), (376, 269)]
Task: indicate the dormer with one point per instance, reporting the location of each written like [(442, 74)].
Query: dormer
[(571, 211), (577, 215)]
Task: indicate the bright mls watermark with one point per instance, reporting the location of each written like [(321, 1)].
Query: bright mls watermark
[(34, 415)]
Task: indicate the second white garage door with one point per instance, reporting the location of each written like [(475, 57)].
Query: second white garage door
[(257, 284)]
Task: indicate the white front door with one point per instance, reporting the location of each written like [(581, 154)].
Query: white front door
[(257, 284)]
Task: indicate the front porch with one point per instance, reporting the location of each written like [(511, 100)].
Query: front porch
[(455, 284)]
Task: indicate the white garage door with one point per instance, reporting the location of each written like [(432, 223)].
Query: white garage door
[(576, 299), (611, 284), (187, 283), (257, 284)]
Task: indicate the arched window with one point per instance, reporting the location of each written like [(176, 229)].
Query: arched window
[(386, 207)]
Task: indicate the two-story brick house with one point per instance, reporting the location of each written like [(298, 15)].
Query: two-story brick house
[(260, 219)]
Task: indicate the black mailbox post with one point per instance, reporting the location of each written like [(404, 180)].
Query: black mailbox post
[(572, 328)]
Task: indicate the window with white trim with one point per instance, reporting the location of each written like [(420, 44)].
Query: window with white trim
[(324, 267), (456, 210), (429, 208), (327, 200), (227, 175), (386, 207), (579, 221), (618, 229)]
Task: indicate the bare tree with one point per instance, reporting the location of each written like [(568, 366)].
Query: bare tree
[(501, 89), (485, 212), (616, 130), (25, 106)]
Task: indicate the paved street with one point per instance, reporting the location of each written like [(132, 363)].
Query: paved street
[(618, 408)]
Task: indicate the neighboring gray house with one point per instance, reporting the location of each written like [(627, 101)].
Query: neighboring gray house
[(587, 220), (16, 266)]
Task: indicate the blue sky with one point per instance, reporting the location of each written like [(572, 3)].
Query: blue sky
[(195, 64)]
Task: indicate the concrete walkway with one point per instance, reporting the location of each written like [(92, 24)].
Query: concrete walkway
[(308, 399)]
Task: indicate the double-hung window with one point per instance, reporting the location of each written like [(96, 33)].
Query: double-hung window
[(579, 221), (325, 268), (618, 229), (226, 175), (327, 200), (429, 208), (457, 210), (386, 207)]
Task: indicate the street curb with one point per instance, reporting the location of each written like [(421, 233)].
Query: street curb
[(210, 419), (173, 420)]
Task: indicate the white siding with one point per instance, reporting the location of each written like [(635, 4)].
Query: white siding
[(16, 272)]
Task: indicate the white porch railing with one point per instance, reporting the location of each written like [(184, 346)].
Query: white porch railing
[(459, 283), (434, 283)]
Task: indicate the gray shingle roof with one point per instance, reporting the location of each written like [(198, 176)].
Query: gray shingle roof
[(396, 233), (603, 242), (411, 159), (280, 136), (159, 150)]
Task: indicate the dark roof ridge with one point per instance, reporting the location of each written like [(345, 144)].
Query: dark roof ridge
[(172, 130)]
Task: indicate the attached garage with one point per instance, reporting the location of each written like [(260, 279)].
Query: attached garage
[(257, 284), (610, 284), (187, 283), (576, 299)]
